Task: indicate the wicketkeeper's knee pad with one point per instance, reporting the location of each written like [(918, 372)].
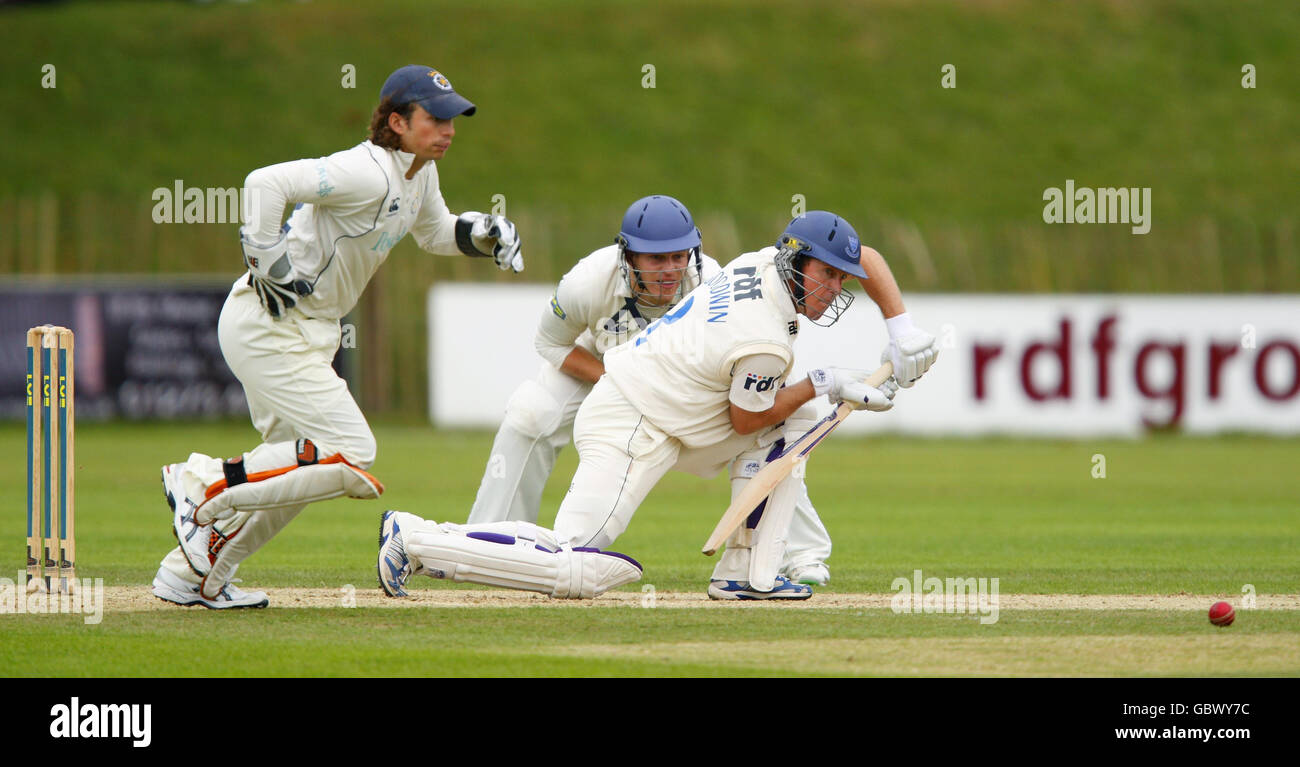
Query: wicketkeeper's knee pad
[(311, 479), (533, 411)]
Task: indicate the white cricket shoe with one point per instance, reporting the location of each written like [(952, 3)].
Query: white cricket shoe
[(170, 587), (811, 574), (192, 537), (783, 589), (393, 566)]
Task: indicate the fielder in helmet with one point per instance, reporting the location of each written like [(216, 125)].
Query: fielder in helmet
[(657, 243)]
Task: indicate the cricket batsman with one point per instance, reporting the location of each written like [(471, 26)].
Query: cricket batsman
[(609, 297), (701, 389), (279, 330)]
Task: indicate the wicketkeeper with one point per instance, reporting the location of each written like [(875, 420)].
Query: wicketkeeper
[(699, 390), (279, 330)]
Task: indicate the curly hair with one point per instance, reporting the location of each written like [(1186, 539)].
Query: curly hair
[(380, 133)]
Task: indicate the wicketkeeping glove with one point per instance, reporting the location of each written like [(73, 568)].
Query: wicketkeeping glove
[(271, 273), (849, 385), (480, 234), (911, 349)]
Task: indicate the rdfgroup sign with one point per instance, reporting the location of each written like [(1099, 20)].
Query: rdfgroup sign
[(1010, 364), (1076, 365)]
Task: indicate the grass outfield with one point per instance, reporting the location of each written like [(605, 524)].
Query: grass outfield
[(1173, 516)]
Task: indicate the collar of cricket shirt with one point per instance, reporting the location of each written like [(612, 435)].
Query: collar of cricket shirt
[(404, 160)]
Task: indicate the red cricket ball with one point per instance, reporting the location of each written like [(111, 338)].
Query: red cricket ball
[(1222, 614)]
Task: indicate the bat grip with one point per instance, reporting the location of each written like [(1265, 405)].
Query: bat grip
[(881, 374)]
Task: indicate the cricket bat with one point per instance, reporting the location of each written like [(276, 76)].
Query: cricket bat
[(761, 486)]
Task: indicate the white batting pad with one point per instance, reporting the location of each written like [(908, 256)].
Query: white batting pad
[(515, 555), (733, 563), (755, 554), (772, 533)]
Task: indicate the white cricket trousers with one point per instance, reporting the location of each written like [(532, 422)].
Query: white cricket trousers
[(286, 368), (622, 456), (538, 424)]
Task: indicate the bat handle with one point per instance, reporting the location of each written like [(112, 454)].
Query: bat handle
[(881, 374)]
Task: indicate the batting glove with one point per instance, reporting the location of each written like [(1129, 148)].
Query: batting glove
[(849, 386), (480, 234), (911, 349), (271, 273)]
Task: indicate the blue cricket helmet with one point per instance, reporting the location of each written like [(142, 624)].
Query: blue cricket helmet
[(658, 224), (825, 237)]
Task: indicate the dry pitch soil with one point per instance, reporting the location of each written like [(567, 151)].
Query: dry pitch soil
[(127, 599)]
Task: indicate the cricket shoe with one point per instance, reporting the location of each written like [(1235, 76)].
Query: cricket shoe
[(783, 589), (393, 566), (170, 587), (192, 537), (811, 574)]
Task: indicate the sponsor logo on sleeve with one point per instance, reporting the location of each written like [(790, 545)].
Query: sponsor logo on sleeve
[(323, 185), (556, 309)]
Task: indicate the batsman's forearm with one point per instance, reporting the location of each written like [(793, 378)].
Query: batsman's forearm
[(881, 287), (583, 365), (788, 400)]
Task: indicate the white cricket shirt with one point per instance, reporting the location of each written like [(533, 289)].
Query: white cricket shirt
[(351, 208), (730, 340), (593, 307)]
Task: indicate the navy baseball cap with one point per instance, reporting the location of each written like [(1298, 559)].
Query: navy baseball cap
[(428, 88)]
